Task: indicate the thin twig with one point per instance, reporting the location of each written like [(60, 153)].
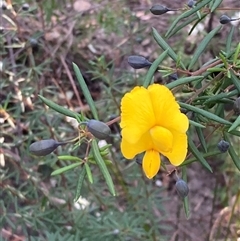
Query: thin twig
[(72, 81)]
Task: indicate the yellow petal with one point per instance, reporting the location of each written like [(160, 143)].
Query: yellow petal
[(137, 115), (151, 163), (162, 138), (179, 149), (130, 150), (166, 109)]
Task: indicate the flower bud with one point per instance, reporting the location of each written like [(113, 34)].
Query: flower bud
[(223, 146), (43, 147), (138, 62), (173, 76), (236, 106), (98, 129), (182, 188), (191, 3), (224, 19), (25, 7), (159, 9), (33, 42), (3, 5)]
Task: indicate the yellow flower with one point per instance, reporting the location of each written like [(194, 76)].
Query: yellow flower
[(151, 122)]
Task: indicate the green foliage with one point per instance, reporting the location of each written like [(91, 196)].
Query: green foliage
[(44, 195)]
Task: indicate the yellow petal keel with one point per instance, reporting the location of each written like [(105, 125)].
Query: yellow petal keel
[(151, 163), (162, 138)]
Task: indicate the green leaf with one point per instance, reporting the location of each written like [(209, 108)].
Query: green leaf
[(205, 113), (182, 81), (80, 183), (69, 158), (102, 166), (106, 161), (196, 124), (186, 14), (221, 96), (193, 159), (186, 199), (153, 68), (223, 57), (202, 46), (232, 153), (236, 54), (197, 22), (57, 107), (198, 154), (199, 15), (235, 80), (164, 45), (201, 138), (85, 91), (235, 133), (219, 111), (216, 69), (65, 169), (215, 5), (182, 25), (89, 173), (235, 124), (229, 40), (105, 147)]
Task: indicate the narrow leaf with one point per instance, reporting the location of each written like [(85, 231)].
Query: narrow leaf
[(196, 124), (182, 25), (215, 69), (235, 133), (235, 80), (215, 5), (89, 173), (153, 68), (80, 183), (164, 45), (221, 96), (85, 91), (229, 40), (198, 154), (186, 199), (205, 113), (65, 169), (186, 14), (102, 166), (193, 159), (235, 124), (236, 54), (201, 138), (202, 46), (197, 22), (183, 81), (232, 153), (219, 111), (69, 158), (57, 107)]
